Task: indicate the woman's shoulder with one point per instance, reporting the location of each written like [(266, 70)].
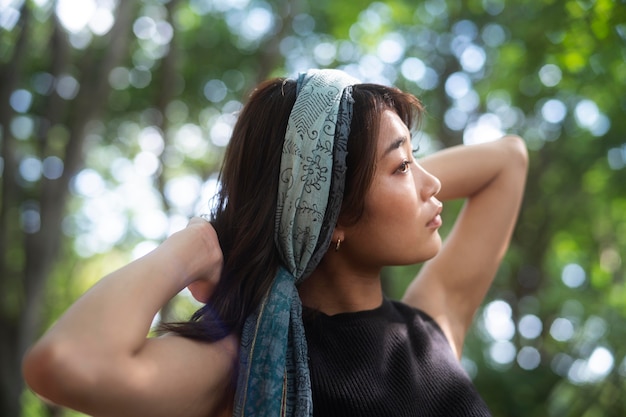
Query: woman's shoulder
[(414, 316), (408, 310)]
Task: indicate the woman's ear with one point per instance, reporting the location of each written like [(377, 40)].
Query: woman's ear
[(201, 290)]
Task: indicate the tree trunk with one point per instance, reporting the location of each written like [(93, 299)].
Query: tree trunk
[(10, 372)]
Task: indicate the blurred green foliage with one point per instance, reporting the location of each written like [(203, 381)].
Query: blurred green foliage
[(113, 120)]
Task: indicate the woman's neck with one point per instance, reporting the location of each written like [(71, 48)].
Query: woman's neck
[(334, 288)]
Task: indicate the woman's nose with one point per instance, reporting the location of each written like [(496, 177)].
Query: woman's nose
[(430, 185)]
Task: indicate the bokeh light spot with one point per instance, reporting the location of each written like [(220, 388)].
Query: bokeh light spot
[(502, 352), (550, 75), (457, 85), (530, 326), (215, 91), (21, 100), (553, 111), (573, 275), (562, 329), (52, 167), (30, 168), (498, 321), (528, 358)]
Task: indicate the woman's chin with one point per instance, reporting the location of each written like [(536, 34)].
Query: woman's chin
[(431, 251)]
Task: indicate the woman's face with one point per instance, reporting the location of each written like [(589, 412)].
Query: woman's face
[(401, 219)]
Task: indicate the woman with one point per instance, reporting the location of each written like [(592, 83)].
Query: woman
[(320, 190)]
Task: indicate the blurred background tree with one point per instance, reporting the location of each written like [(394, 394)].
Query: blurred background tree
[(114, 116)]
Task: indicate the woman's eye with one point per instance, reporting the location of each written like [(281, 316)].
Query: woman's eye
[(404, 167)]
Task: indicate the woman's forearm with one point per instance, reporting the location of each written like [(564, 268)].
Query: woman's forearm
[(119, 309), (466, 170)]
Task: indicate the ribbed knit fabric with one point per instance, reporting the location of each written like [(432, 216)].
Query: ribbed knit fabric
[(392, 361)]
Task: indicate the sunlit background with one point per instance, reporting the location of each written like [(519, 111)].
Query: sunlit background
[(115, 115)]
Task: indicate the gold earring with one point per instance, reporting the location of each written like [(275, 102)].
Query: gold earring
[(338, 245)]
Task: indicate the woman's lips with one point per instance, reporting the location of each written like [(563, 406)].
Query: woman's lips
[(436, 221)]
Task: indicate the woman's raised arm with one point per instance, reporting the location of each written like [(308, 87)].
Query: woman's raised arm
[(491, 177), (97, 358)]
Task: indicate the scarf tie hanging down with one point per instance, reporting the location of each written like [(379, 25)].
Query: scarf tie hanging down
[(273, 375)]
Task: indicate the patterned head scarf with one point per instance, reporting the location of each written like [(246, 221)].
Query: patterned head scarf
[(273, 375)]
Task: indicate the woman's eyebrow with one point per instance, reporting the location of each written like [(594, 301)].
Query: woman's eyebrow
[(394, 145)]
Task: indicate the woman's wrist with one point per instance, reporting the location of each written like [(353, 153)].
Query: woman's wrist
[(192, 254)]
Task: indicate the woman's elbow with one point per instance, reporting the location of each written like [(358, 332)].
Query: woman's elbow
[(53, 372), (517, 150)]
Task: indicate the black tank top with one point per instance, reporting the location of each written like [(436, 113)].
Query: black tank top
[(392, 361)]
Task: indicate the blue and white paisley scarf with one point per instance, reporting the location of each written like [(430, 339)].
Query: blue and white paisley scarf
[(273, 375)]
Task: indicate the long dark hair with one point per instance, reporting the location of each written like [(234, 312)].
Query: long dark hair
[(246, 205)]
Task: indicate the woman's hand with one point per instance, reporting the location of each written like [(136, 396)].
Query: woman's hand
[(206, 266)]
